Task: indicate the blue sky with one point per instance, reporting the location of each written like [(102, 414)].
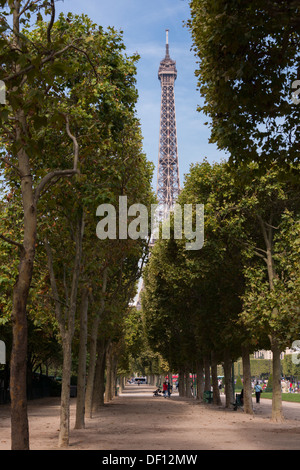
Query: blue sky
[(143, 24)]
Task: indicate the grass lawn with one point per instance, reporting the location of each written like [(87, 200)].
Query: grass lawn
[(293, 397)]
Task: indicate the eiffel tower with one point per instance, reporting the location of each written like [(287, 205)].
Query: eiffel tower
[(168, 182)]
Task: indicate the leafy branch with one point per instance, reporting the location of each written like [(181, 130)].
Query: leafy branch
[(60, 173)]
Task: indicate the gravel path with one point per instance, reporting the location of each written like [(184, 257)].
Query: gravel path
[(138, 421)]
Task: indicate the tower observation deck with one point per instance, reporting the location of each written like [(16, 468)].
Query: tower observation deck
[(168, 182)]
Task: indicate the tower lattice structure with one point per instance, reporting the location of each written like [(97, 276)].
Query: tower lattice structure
[(168, 182)]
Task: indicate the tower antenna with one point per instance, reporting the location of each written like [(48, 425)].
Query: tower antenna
[(167, 44)]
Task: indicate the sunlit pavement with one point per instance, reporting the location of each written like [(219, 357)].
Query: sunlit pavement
[(291, 410)]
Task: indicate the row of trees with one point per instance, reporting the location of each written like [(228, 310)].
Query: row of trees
[(220, 303), (240, 293), (70, 141), (261, 368)]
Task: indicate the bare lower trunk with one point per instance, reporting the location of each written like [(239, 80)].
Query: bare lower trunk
[(107, 394), (93, 352), (207, 384), (215, 384), (114, 376), (99, 382), (277, 413), (80, 410), (267, 231), (181, 387), (91, 369), (122, 382), (188, 384), (66, 325), (18, 365), (18, 368), (63, 440), (30, 197), (200, 380), (248, 407), (227, 365)]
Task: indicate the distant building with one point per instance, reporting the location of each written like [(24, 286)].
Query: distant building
[(264, 354)]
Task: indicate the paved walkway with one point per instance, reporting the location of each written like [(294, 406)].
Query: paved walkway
[(138, 421)]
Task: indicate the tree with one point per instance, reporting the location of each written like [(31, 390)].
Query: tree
[(70, 92), (254, 213), (272, 290), (218, 272), (248, 60), (203, 284), (24, 65)]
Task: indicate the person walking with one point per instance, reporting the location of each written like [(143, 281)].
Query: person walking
[(169, 389), (165, 389), (258, 391)]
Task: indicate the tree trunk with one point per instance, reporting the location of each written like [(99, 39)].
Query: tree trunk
[(81, 381), (63, 440), (107, 395), (229, 398), (277, 414), (99, 382), (68, 337), (170, 377), (207, 383), (113, 377), (188, 384), (91, 369), (248, 406), (66, 326), (214, 374), (181, 386), (200, 380), (18, 366), (93, 352), (120, 381), (30, 197), (18, 363)]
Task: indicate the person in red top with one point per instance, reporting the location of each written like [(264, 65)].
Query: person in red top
[(165, 389)]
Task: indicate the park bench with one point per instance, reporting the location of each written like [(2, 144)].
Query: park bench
[(238, 402), (208, 396)]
